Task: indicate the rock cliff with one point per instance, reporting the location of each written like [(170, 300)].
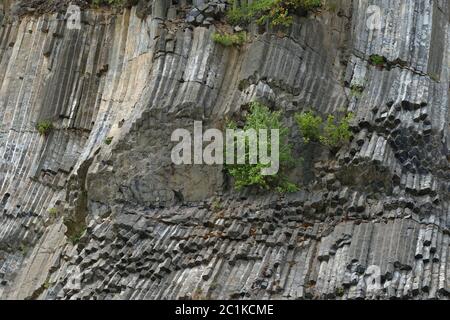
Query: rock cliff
[(96, 209)]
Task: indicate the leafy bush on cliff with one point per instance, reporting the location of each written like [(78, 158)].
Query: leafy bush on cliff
[(44, 127), (276, 12), (245, 175), (108, 2), (333, 133), (310, 126), (75, 238), (377, 60), (53, 212), (108, 140), (337, 133), (229, 39)]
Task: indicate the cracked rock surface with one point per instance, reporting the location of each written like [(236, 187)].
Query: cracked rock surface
[(371, 221)]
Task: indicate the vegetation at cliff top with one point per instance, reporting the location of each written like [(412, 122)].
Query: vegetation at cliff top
[(245, 175), (276, 12), (108, 2), (230, 39)]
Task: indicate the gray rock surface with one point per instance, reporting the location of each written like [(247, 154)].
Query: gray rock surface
[(371, 221)]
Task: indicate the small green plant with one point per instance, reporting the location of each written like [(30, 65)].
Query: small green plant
[(44, 127), (24, 248), (245, 175), (377, 60), (310, 126), (340, 292), (216, 206), (53, 212), (337, 133), (276, 12), (108, 2), (75, 238), (435, 77), (108, 140), (230, 39), (356, 91), (332, 133), (46, 284)]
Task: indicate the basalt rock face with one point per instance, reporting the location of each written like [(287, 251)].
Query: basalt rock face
[(96, 209)]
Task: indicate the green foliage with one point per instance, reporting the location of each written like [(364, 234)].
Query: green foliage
[(108, 140), (310, 126), (75, 238), (230, 39), (377, 60), (44, 127), (216, 205), (53, 212), (276, 12), (435, 77), (332, 133), (24, 248), (336, 133), (356, 91), (245, 175), (46, 284), (108, 2), (340, 292)]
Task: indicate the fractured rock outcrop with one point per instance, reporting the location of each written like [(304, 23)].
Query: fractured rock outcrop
[(371, 220)]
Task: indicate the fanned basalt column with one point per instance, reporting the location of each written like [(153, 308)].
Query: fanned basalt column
[(372, 220)]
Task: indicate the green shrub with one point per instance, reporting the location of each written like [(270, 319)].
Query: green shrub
[(356, 91), (53, 212), (229, 39), (276, 12), (46, 284), (332, 133), (310, 126), (337, 133), (24, 248), (377, 60), (216, 205), (44, 127), (340, 292), (245, 175), (108, 2), (75, 238), (108, 140)]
